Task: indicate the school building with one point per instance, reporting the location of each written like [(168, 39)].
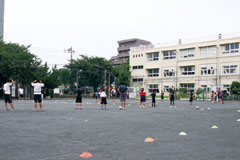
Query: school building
[(208, 64)]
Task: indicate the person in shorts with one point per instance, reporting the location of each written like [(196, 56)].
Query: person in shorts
[(20, 93), (171, 98), (103, 97), (190, 98), (7, 93), (142, 98), (79, 98), (162, 95), (153, 98), (37, 91), (123, 95), (113, 94)]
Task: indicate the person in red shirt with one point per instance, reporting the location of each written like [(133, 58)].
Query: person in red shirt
[(142, 98)]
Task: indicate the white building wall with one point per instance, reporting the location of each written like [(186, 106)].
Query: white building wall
[(218, 79)]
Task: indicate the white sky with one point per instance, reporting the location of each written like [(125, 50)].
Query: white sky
[(93, 27)]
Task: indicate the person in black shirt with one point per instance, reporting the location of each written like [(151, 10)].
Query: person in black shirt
[(79, 98), (153, 98)]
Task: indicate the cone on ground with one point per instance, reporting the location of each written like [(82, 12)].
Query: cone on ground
[(149, 139), (214, 127), (182, 134), (86, 155)]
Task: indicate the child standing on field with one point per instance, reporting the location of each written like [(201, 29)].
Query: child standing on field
[(171, 98), (190, 98), (103, 98), (142, 98)]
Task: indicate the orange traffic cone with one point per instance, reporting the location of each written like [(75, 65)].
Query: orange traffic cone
[(86, 155), (149, 139)]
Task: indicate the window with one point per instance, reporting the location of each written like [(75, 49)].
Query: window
[(188, 70), (188, 86), (168, 88), (135, 80), (226, 87), (169, 73), (137, 67), (153, 72), (232, 48), (133, 56), (208, 51), (153, 87), (230, 69), (169, 54), (153, 56), (207, 70), (187, 53)]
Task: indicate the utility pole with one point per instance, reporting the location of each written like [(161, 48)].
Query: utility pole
[(71, 51)]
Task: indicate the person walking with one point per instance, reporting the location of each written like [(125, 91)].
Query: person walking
[(37, 85), (79, 98), (123, 95), (103, 97), (7, 94)]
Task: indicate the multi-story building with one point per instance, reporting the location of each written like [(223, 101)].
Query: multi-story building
[(209, 64), (124, 48), (1, 18)]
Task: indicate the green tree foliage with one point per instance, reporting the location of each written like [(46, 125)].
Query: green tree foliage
[(17, 62), (235, 88), (92, 71), (122, 74)]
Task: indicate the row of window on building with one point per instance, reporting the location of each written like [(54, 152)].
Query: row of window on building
[(187, 86), (232, 48), (190, 70)]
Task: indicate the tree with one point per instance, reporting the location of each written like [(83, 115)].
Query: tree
[(17, 62), (122, 74), (90, 71), (235, 88)]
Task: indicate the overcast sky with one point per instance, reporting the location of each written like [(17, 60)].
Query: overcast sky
[(93, 27)]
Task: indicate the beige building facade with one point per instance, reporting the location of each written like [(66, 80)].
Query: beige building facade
[(208, 64)]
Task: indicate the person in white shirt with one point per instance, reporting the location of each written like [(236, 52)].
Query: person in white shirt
[(20, 93), (113, 94), (37, 85), (103, 98), (7, 94)]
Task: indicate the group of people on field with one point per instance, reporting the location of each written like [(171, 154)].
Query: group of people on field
[(218, 96), (102, 96), (37, 91)]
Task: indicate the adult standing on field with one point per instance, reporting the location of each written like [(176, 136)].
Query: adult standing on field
[(37, 91), (123, 95), (79, 98), (7, 93)]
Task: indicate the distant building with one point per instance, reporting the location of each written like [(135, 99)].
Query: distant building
[(1, 18), (206, 64), (124, 48)]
